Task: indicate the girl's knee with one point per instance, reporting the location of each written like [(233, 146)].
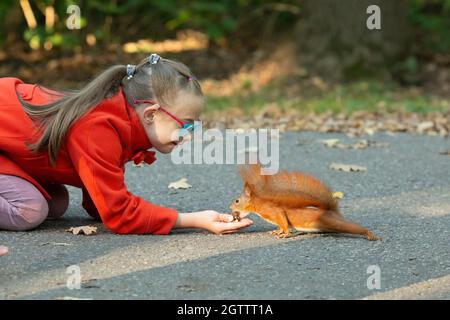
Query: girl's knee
[(31, 213), (22, 205)]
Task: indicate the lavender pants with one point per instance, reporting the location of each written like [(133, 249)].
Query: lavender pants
[(23, 207)]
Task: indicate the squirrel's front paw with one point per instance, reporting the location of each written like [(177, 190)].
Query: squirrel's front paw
[(276, 232), (280, 234), (284, 235)]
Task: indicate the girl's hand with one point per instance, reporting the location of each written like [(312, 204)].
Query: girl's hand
[(218, 223), (3, 250)]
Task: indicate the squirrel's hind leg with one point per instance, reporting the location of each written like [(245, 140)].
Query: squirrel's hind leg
[(279, 218)]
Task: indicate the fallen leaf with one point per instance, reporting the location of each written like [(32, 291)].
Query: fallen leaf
[(338, 195), (347, 167), (360, 144), (86, 230), (186, 287), (180, 184), (330, 142), (445, 153), (370, 131), (357, 124), (424, 126)]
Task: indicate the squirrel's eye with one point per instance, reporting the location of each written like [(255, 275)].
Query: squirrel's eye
[(236, 201)]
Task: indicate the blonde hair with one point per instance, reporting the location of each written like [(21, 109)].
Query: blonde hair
[(161, 81)]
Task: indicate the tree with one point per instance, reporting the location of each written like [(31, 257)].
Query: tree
[(333, 38)]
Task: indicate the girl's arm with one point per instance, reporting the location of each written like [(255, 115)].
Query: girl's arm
[(96, 151), (210, 220)]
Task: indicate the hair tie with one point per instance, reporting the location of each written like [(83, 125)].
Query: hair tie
[(189, 78), (131, 69), (154, 58)]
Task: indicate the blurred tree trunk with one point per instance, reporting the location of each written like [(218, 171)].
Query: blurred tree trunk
[(334, 41), (12, 25)]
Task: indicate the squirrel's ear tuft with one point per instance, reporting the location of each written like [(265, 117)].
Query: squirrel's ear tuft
[(247, 190)]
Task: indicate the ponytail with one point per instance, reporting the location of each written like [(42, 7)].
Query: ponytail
[(57, 117)]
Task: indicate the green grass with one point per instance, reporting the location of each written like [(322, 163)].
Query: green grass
[(347, 98)]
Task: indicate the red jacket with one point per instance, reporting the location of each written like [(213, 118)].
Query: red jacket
[(92, 157)]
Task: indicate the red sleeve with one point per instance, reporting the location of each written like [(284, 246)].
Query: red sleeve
[(95, 149)]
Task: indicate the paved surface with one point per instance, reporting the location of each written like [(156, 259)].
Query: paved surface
[(404, 197)]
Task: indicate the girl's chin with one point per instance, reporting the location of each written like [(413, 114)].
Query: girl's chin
[(167, 148)]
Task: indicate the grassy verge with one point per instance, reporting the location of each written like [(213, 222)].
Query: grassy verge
[(344, 98)]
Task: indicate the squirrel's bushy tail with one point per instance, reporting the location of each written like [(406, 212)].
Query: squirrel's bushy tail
[(291, 189)]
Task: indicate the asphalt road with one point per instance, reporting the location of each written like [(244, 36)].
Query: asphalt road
[(404, 197)]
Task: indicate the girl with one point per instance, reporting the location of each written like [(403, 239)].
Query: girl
[(84, 139)]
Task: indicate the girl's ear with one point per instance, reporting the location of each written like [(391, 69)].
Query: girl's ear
[(149, 113), (247, 190)]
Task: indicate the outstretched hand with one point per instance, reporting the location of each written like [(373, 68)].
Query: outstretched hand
[(218, 223), (221, 223)]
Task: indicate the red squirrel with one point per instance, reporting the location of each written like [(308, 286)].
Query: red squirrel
[(292, 200)]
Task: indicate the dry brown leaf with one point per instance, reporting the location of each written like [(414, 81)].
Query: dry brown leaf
[(180, 184), (354, 125), (347, 167), (360, 144), (330, 143), (424, 126), (86, 230), (370, 131), (445, 153)]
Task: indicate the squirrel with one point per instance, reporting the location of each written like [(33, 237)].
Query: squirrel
[(292, 200)]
